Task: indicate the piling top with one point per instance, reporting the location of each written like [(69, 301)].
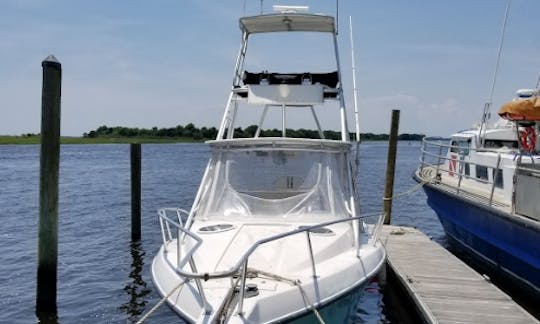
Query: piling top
[(51, 61)]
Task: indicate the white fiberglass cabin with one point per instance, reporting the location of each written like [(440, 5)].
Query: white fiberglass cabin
[(483, 161), (274, 232)]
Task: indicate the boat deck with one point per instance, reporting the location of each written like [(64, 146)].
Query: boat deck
[(467, 188), (443, 288)]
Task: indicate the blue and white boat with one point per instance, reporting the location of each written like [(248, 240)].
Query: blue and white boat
[(485, 188)]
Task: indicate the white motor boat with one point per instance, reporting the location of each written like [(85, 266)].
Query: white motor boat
[(274, 232)]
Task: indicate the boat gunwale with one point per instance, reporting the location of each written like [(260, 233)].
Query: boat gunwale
[(292, 316), (511, 216), (280, 143), (245, 256)]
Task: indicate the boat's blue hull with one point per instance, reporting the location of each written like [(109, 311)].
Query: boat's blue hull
[(508, 243)]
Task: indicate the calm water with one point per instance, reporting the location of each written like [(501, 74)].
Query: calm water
[(102, 277)]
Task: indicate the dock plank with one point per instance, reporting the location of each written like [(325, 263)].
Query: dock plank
[(445, 289)]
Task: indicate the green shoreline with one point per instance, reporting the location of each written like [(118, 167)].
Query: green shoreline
[(33, 140), (29, 140), (185, 134)]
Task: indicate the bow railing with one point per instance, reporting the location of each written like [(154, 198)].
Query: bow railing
[(173, 231)]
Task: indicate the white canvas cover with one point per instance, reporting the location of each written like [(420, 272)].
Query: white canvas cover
[(309, 94), (287, 22), (274, 182)]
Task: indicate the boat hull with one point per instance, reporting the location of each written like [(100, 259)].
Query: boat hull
[(509, 244), (288, 305), (340, 310)]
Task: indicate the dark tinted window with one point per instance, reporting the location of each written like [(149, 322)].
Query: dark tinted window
[(481, 172), (498, 178)]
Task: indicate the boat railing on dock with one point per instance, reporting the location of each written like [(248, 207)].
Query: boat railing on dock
[(500, 177), (174, 232), (454, 170)]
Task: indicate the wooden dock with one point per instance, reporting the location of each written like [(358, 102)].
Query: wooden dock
[(442, 287)]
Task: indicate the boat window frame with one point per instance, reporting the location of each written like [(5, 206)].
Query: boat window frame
[(460, 146), (482, 172), (498, 179)]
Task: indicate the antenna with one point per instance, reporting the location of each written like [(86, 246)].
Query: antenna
[(486, 114), (337, 16), (354, 82), (503, 30)]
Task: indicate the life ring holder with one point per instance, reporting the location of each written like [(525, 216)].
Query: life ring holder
[(527, 138)]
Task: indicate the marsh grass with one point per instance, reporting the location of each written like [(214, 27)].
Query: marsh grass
[(36, 139)]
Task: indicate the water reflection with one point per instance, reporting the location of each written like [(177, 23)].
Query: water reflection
[(370, 307), (362, 305), (136, 288)]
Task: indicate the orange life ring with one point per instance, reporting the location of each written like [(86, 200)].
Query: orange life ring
[(527, 138)]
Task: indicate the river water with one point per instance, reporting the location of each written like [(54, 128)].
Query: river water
[(102, 276)]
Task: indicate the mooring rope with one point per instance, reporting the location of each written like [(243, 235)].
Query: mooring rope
[(260, 273), (297, 283), (156, 306), (307, 302), (411, 190)]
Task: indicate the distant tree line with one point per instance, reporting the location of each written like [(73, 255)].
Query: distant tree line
[(190, 131)]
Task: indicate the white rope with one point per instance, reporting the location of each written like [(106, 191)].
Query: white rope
[(410, 191), (296, 283), (151, 311), (307, 302), (260, 273)]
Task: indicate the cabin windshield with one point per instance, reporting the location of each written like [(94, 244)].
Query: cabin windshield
[(274, 183)]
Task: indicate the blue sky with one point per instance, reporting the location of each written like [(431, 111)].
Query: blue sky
[(167, 62)]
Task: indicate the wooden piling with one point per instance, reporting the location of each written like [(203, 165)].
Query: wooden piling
[(135, 149), (390, 167), (48, 187)]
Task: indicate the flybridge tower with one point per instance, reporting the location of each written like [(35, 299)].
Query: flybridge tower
[(284, 90)]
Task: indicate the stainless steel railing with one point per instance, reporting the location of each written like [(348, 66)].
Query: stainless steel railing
[(434, 155), (181, 235)]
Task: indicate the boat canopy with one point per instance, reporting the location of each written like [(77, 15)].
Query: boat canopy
[(522, 109), (284, 22), (275, 179)]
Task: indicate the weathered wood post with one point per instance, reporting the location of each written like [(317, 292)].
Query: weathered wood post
[(135, 191), (48, 187), (390, 167)]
